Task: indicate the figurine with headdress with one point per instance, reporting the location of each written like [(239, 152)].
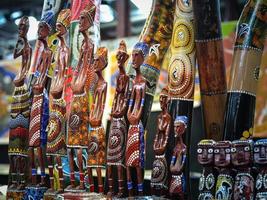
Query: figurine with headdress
[(135, 148), (78, 119), (118, 130), (56, 145), (159, 178), (40, 106)]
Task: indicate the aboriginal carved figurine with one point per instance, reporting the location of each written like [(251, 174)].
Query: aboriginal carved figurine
[(241, 158), (40, 108), (78, 122), (260, 159), (159, 177), (56, 145), (135, 148), (118, 130), (97, 138), (177, 185), (20, 113), (225, 180), (207, 180)]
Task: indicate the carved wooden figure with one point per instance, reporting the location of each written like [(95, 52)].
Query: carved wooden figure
[(225, 180), (78, 122), (260, 159), (40, 111), (97, 138), (177, 185), (159, 179), (118, 130), (242, 160), (56, 142), (20, 113), (135, 148), (207, 180)]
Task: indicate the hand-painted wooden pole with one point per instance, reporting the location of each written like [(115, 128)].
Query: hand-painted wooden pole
[(241, 97), (181, 72), (209, 51)]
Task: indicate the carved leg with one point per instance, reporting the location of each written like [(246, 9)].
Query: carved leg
[(51, 172), (129, 182), (60, 174), (120, 181), (90, 179), (71, 162), (13, 182), (80, 163), (33, 166), (140, 186), (99, 180), (22, 166), (110, 181), (42, 165)]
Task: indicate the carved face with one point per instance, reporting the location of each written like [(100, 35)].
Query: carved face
[(137, 58), (99, 63), (179, 128), (43, 30), (61, 29), (222, 154), (84, 22), (260, 153), (241, 153), (23, 28), (121, 56), (205, 154), (163, 100)]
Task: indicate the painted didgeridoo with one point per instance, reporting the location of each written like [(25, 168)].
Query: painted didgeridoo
[(248, 48), (157, 34), (181, 72), (211, 68)]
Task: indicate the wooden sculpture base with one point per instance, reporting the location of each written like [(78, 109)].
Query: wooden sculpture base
[(36, 193), (82, 196), (50, 195), (15, 194)]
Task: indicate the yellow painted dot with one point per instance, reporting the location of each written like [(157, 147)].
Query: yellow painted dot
[(246, 134)]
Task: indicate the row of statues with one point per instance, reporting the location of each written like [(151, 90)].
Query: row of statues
[(233, 170)]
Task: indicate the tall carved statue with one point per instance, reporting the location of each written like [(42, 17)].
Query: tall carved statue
[(118, 130), (78, 121), (159, 179), (40, 108), (242, 160), (56, 142), (260, 159), (97, 138), (178, 184), (207, 180), (225, 180), (135, 148), (20, 113)]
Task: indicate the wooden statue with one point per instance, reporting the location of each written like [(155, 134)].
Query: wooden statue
[(242, 160), (177, 185), (159, 179), (40, 108), (207, 180), (209, 52), (225, 180), (260, 159), (118, 129), (78, 123), (135, 148), (97, 138), (56, 145), (20, 113)]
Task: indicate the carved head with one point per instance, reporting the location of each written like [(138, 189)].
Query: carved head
[(139, 54), (241, 152), (180, 125), (222, 153), (87, 17), (101, 59), (205, 154), (164, 98), (122, 55), (23, 26), (260, 152), (63, 21), (45, 25)]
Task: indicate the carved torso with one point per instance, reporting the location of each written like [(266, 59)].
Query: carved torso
[(207, 183)]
